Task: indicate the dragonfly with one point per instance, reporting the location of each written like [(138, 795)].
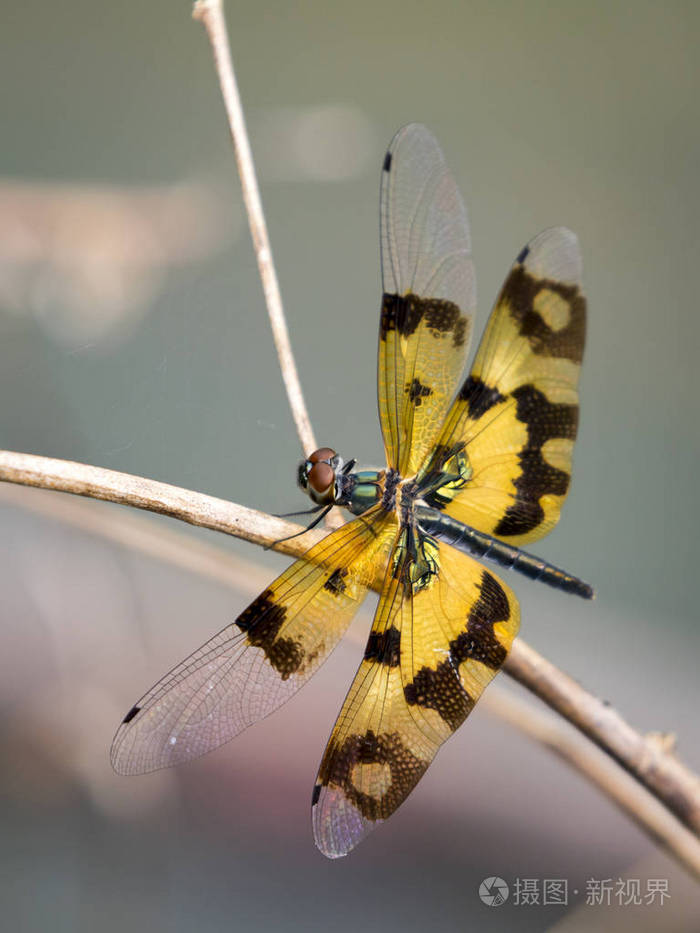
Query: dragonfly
[(473, 472)]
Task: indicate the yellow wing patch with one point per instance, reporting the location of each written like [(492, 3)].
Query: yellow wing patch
[(507, 442), (442, 630), (259, 661)]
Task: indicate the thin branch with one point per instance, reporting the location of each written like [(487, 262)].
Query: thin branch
[(211, 14), (647, 758), (169, 545)]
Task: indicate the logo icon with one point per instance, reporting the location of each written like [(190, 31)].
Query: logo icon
[(493, 891)]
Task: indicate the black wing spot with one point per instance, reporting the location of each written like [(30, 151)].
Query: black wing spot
[(387, 162), (417, 392), (479, 396), (441, 689), (404, 313), (479, 641), (523, 254), (520, 291), (443, 316), (384, 647), (315, 795), (130, 715), (401, 313), (544, 421), (261, 622), (335, 583), (406, 770)]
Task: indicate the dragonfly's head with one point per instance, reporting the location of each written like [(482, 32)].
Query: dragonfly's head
[(325, 477), (318, 475)]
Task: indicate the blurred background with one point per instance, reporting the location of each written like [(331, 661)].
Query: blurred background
[(133, 336)]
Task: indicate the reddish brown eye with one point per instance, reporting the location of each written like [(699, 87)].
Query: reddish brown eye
[(321, 477), (323, 453)]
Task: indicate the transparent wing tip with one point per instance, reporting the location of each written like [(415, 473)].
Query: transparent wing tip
[(338, 825), (554, 254), (413, 131)]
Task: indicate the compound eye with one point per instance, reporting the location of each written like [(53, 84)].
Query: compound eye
[(321, 479), (301, 475), (323, 453)]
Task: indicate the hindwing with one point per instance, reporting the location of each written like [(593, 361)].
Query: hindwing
[(259, 661), (442, 630), (507, 442)]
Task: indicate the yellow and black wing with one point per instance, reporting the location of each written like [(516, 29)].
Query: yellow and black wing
[(429, 296), (259, 661), (442, 630), (508, 439)]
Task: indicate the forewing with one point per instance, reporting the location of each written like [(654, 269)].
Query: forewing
[(429, 295), (435, 644), (259, 661), (516, 416)]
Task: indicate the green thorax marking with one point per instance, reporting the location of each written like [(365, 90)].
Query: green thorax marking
[(366, 491)]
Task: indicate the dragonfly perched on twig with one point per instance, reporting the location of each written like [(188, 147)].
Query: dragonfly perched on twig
[(477, 473)]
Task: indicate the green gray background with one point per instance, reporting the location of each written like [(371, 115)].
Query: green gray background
[(584, 115)]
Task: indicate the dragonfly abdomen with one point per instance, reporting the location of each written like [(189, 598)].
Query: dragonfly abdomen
[(485, 546)]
